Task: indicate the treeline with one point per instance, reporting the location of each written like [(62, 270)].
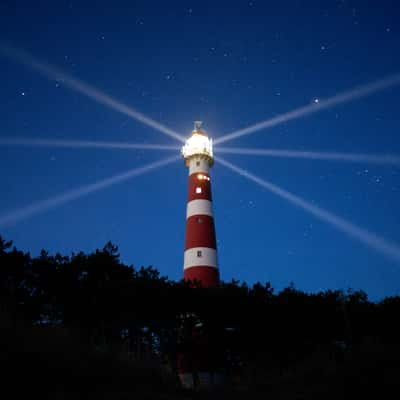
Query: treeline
[(89, 319)]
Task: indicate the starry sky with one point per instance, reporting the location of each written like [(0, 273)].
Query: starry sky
[(229, 64)]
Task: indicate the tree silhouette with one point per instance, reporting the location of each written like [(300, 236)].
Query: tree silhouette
[(90, 312)]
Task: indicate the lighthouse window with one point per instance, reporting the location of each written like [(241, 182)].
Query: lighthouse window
[(197, 163), (198, 190), (199, 220), (199, 253)]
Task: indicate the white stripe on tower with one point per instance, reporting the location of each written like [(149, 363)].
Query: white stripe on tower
[(201, 165), (199, 207), (200, 256)]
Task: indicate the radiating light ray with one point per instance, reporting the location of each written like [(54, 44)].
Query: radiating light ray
[(322, 104), (393, 159), (381, 245), (53, 73), (39, 207), (83, 144)]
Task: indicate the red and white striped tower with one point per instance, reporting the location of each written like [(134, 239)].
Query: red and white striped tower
[(200, 260)]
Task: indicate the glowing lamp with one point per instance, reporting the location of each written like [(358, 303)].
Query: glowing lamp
[(198, 145)]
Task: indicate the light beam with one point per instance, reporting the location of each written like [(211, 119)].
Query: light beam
[(393, 159), (83, 144), (379, 244), (344, 97), (39, 207), (54, 73)]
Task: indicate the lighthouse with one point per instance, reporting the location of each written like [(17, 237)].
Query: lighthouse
[(197, 360), (200, 258)]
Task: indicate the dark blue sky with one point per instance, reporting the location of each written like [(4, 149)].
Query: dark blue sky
[(230, 64)]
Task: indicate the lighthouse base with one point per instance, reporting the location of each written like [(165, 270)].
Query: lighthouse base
[(207, 276)]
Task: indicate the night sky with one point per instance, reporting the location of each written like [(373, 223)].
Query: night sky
[(229, 64)]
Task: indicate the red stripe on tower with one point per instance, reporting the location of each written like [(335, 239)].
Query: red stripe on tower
[(200, 259)]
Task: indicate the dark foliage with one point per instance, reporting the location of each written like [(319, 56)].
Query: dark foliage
[(87, 325)]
